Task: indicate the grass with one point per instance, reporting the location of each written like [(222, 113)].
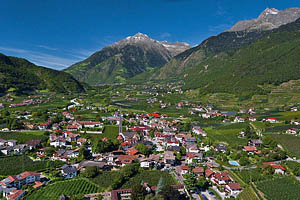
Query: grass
[(290, 142), (68, 187)]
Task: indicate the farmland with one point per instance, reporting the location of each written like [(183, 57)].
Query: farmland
[(280, 188), (69, 187)]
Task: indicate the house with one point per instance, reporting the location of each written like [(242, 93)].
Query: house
[(59, 142), (32, 144), (199, 171), (21, 179), (252, 119), (44, 126), (233, 189), (255, 143), (184, 169), (221, 147), (292, 131), (294, 109), (209, 173), (239, 120), (11, 143), (20, 148), (193, 157), (250, 149), (15, 195), (125, 159), (272, 120), (68, 171), (278, 168), (129, 135), (197, 130), (169, 158), (221, 178), (90, 124)]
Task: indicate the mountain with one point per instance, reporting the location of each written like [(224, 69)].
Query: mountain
[(269, 19), (239, 62), (21, 76), (125, 59)]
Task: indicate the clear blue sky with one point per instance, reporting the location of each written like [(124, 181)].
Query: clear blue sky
[(58, 33)]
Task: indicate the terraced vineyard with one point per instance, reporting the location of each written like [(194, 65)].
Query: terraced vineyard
[(69, 187)]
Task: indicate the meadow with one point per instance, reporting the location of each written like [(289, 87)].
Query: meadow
[(23, 137)]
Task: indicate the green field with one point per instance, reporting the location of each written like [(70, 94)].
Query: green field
[(105, 179), (17, 164), (290, 142), (69, 187), (280, 188), (23, 137), (247, 194)]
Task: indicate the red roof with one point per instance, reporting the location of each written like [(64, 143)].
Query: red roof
[(15, 194), (234, 186), (133, 152), (184, 167), (208, 173), (190, 155), (250, 148)]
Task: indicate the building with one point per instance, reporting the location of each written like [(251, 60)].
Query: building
[(21, 179), (233, 189), (68, 171)]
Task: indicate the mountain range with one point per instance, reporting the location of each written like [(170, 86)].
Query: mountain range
[(125, 59)]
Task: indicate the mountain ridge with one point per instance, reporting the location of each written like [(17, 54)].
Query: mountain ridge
[(125, 59)]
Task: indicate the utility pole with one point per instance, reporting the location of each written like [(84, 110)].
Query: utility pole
[(120, 122)]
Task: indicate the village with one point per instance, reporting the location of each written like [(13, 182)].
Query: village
[(115, 140)]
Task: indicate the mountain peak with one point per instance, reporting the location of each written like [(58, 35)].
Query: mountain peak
[(269, 19), (269, 11)]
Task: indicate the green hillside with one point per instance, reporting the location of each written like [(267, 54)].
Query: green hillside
[(20, 75), (244, 68)]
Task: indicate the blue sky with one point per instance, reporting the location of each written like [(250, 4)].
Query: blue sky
[(58, 33)]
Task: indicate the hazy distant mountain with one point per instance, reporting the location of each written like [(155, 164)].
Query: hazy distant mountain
[(268, 19), (20, 75), (125, 59)]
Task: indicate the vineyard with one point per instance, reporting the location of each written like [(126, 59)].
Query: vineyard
[(280, 188), (105, 179), (252, 175), (21, 137), (151, 177), (289, 142), (16, 164), (247, 194), (69, 187)]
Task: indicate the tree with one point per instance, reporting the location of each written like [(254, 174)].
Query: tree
[(138, 192), (49, 151), (83, 154), (190, 181), (143, 149), (202, 183), (90, 172), (169, 193), (160, 185), (244, 161)]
